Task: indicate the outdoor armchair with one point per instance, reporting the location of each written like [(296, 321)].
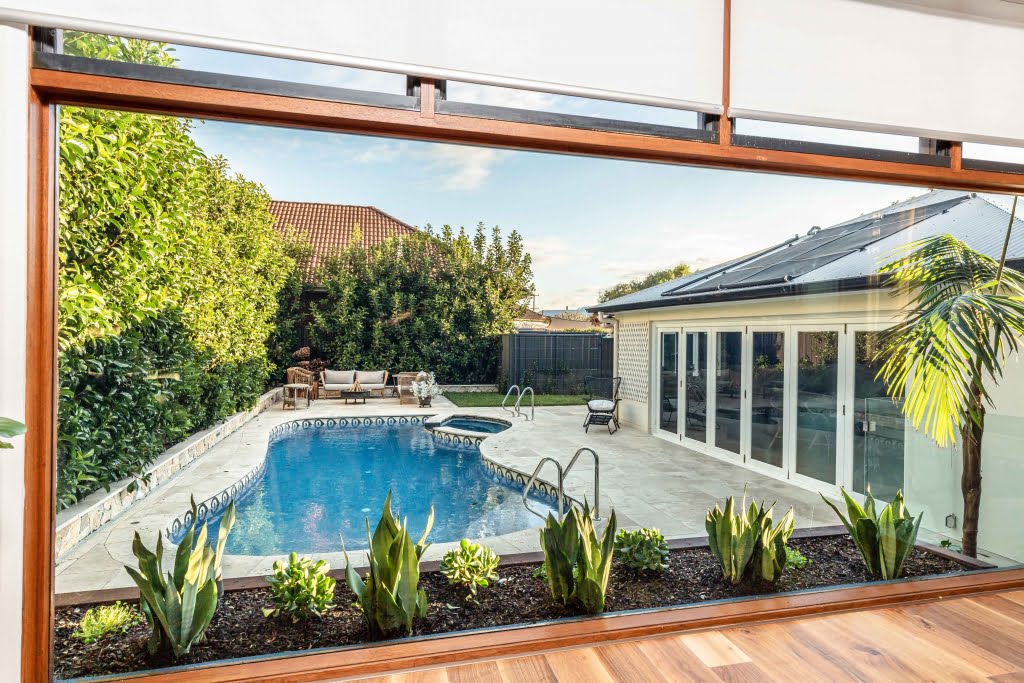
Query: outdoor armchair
[(602, 402)]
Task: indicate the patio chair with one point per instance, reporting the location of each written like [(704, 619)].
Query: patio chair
[(602, 402), (295, 375)]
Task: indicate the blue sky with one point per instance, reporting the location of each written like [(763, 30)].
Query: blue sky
[(588, 222)]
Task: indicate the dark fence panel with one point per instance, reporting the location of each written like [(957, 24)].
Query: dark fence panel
[(555, 362)]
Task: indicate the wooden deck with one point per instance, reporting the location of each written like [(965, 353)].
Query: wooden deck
[(960, 639)]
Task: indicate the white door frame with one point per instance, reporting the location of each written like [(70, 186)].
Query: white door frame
[(713, 357), (748, 409), (693, 444), (659, 330)]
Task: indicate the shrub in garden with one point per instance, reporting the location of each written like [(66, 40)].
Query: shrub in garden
[(746, 544), (300, 588), (578, 564), (105, 619), (390, 596), (179, 605), (470, 565), (884, 540), (795, 558), (643, 549)]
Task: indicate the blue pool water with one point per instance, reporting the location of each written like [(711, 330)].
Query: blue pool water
[(323, 482), (475, 424)]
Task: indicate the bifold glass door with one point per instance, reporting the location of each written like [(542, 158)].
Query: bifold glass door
[(668, 367), (728, 425), (768, 398), (696, 399), (878, 426), (817, 405)]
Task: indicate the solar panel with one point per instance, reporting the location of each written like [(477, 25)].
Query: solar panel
[(817, 250)]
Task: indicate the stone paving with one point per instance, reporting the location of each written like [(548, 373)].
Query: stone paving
[(648, 481)]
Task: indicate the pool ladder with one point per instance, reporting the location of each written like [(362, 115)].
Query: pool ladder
[(515, 410), (562, 474)]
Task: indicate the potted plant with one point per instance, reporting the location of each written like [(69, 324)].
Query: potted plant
[(425, 388)]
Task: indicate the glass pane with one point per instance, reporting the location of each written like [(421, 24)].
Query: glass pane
[(728, 390), (766, 397), (697, 386), (669, 381), (878, 425), (816, 407)]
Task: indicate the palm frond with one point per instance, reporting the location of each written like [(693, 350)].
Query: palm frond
[(961, 322)]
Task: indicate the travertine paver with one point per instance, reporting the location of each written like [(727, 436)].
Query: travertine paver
[(649, 482)]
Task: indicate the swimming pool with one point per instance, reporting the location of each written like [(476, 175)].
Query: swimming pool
[(324, 478)]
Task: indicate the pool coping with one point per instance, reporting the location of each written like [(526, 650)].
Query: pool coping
[(213, 505)]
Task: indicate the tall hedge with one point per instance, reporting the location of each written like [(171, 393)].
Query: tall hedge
[(169, 273), (425, 301)]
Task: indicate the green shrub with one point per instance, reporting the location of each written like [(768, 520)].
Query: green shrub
[(795, 558), (300, 588), (540, 573), (106, 619), (9, 428), (577, 563), (179, 605), (884, 540), (390, 596), (746, 545), (643, 549), (471, 565)]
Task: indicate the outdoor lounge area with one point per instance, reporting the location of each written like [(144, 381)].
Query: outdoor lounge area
[(669, 341)]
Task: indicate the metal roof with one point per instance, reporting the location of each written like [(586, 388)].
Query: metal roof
[(845, 256)]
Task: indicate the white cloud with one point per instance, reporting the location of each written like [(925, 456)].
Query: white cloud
[(462, 167), (379, 153), (552, 250)]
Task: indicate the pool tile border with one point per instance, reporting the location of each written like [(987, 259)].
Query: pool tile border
[(213, 505)]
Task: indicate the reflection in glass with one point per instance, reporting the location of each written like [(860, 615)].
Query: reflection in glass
[(697, 385), (817, 413), (878, 425), (766, 397), (669, 381), (728, 377)]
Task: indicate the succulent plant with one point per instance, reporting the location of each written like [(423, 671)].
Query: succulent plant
[(578, 564), (746, 544), (300, 588), (643, 549), (180, 605), (471, 565), (884, 540), (390, 596)]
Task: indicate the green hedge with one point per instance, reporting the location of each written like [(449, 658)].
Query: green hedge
[(169, 275), (424, 301)]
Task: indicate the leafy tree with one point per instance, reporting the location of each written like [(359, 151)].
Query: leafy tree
[(655, 278), (965, 314), (292, 312), (425, 301), (168, 280)]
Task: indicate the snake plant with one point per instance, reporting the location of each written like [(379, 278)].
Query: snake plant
[(578, 564), (390, 596), (746, 544), (884, 540), (180, 605)]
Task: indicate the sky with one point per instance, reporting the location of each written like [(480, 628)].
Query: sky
[(588, 223)]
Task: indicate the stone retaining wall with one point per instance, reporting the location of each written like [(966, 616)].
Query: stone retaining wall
[(75, 523), (468, 388)]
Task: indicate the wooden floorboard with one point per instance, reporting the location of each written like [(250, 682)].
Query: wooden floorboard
[(960, 639)]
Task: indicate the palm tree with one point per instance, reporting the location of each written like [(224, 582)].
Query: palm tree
[(965, 314)]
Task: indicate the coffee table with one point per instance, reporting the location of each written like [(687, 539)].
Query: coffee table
[(292, 393), (354, 396)]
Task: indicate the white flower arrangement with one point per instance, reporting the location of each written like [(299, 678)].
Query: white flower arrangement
[(428, 388)]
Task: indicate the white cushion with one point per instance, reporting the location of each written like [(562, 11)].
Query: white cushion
[(367, 377), (370, 387), (601, 404), (337, 387), (339, 377)]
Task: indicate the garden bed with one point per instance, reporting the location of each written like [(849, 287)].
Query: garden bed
[(239, 629)]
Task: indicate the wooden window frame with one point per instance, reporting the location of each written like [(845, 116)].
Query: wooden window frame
[(49, 88)]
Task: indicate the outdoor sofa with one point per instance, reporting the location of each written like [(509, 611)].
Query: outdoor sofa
[(336, 381)]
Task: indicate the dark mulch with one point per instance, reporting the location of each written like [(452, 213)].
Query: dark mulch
[(240, 630)]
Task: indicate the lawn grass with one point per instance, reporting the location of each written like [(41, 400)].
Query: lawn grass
[(488, 399)]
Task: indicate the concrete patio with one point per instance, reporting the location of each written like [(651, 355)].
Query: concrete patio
[(648, 481)]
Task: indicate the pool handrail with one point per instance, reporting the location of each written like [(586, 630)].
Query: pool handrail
[(597, 477), (533, 479), (519, 395), (533, 402)]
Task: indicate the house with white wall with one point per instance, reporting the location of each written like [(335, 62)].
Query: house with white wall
[(768, 361)]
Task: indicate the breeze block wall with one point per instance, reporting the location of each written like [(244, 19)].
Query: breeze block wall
[(633, 364)]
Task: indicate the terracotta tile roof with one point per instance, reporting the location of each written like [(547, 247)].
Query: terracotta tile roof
[(328, 227)]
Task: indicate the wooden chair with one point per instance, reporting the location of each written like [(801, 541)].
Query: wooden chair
[(403, 385), (301, 376)]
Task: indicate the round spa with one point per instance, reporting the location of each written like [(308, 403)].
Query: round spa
[(474, 426)]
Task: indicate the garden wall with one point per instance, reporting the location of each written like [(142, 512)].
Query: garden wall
[(75, 523)]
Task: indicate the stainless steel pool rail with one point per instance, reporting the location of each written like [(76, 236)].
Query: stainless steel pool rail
[(533, 401), (519, 395), (562, 473)]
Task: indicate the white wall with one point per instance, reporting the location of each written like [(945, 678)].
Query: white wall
[(13, 274)]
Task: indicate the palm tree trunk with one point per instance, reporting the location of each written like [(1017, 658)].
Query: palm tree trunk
[(970, 480)]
